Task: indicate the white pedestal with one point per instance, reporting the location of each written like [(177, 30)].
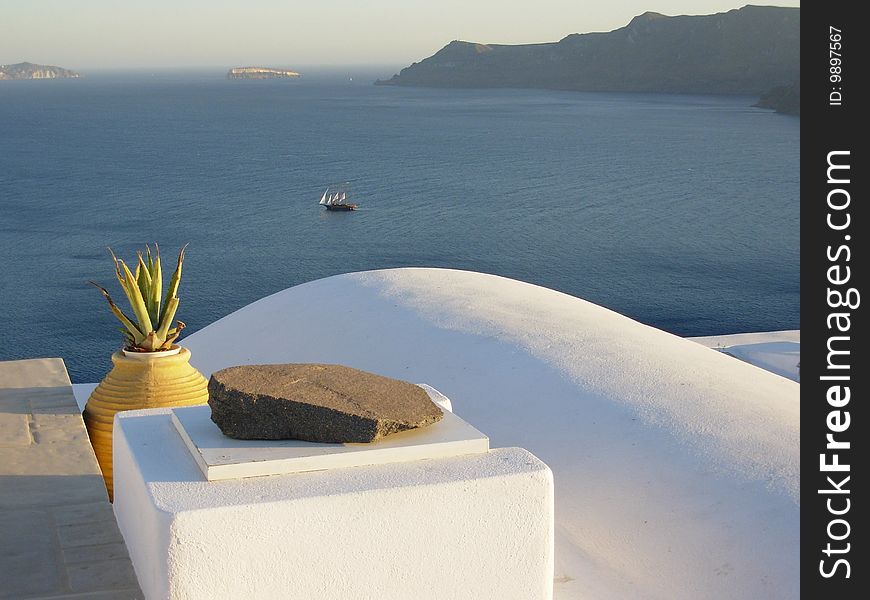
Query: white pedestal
[(221, 457), (477, 526)]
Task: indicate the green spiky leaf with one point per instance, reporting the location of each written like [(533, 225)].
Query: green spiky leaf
[(129, 327), (174, 281), (156, 287), (143, 281), (171, 307), (154, 312), (137, 301)]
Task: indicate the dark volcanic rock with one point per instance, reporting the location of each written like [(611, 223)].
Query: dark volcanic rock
[(316, 403)]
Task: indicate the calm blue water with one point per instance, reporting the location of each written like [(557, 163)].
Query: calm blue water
[(679, 211)]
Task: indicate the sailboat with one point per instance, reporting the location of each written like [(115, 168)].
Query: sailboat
[(335, 198)]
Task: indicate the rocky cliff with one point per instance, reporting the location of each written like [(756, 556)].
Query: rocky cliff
[(785, 99), (742, 51), (260, 73), (26, 70)]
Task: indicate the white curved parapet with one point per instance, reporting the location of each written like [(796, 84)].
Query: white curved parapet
[(475, 526), (676, 468)]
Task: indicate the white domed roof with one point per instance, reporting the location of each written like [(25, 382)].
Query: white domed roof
[(676, 468)]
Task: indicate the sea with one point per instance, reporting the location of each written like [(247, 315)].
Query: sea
[(679, 211)]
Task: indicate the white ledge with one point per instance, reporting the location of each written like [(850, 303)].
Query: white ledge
[(475, 526)]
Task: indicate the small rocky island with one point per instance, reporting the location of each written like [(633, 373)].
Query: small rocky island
[(27, 70), (261, 73)]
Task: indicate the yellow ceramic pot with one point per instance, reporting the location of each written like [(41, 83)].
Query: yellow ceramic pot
[(139, 380)]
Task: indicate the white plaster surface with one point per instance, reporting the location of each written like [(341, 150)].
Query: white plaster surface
[(676, 467), (775, 351), (477, 526), (221, 457)]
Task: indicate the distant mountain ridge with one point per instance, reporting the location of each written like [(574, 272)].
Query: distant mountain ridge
[(27, 70), (743, 51)]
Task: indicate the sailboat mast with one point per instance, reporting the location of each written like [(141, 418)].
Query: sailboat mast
[(335, 198)]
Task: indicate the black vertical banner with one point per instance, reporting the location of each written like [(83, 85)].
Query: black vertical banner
[(834, 226)]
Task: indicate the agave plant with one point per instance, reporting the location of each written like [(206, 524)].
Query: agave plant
[(154, 311)]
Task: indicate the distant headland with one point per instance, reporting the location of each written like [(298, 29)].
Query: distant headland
[(785, 99), (260, 73), (26, 70), (743, 51)]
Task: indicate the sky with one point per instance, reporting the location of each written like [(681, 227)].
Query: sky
[(118, 34)]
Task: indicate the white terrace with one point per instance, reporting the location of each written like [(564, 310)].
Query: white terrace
[(676, 468)]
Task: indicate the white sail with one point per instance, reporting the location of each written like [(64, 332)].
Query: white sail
[(335, 197)]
